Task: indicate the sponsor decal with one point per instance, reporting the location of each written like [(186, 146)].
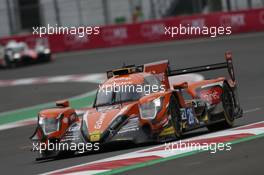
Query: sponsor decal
[(99, 122), (235, 20), (75, 40), (132, 129), (152, 31), (200, 22), (95, 136), (167, 131), (115, 34), (198, 103), (75, 127), (188, 115), (212, 95)]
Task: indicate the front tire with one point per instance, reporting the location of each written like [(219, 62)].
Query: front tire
[(175, 116), (144, 135), (10, 64)]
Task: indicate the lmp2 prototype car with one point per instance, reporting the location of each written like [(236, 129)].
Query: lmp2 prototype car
[(17, 53), (138, 104)]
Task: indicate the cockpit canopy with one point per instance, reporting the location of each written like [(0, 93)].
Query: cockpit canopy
[(126, 88)]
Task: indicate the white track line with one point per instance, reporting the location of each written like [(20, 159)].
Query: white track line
[(163, 153), (252, 110), (85, 78)]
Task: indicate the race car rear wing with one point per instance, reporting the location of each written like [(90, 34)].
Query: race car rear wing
[(225, 65)]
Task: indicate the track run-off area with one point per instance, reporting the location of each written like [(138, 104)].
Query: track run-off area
[(75, 76)]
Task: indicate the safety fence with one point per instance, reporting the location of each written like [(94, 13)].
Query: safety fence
[(151, 31)]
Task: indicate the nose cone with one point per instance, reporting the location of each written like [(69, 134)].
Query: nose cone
[(99, 121)]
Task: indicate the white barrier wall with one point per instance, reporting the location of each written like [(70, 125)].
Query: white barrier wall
[(48, 12), (92, 12), (242, 4)]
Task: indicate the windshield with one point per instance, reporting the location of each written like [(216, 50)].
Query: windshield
[(108, 96), (16, 49)]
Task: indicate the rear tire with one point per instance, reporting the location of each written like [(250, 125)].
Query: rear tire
[(228, 113), (45, 58), (174, 111)]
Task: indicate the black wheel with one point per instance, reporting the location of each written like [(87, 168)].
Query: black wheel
[(227, 99), (45, 58), (9, 64), (48, 59), (144, 135), (174, 111)]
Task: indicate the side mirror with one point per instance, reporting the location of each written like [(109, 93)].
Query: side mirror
[(63, 103), (230, 67), (228, 55)]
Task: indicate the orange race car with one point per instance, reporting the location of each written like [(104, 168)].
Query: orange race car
[(139, 104)]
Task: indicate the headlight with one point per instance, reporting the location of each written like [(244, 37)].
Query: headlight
[(46, 51), (41, 121), (149, 110), (49, 125), (16, 56)]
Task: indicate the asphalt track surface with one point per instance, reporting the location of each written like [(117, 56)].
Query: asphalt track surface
[(24, 96), (245, 158)]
